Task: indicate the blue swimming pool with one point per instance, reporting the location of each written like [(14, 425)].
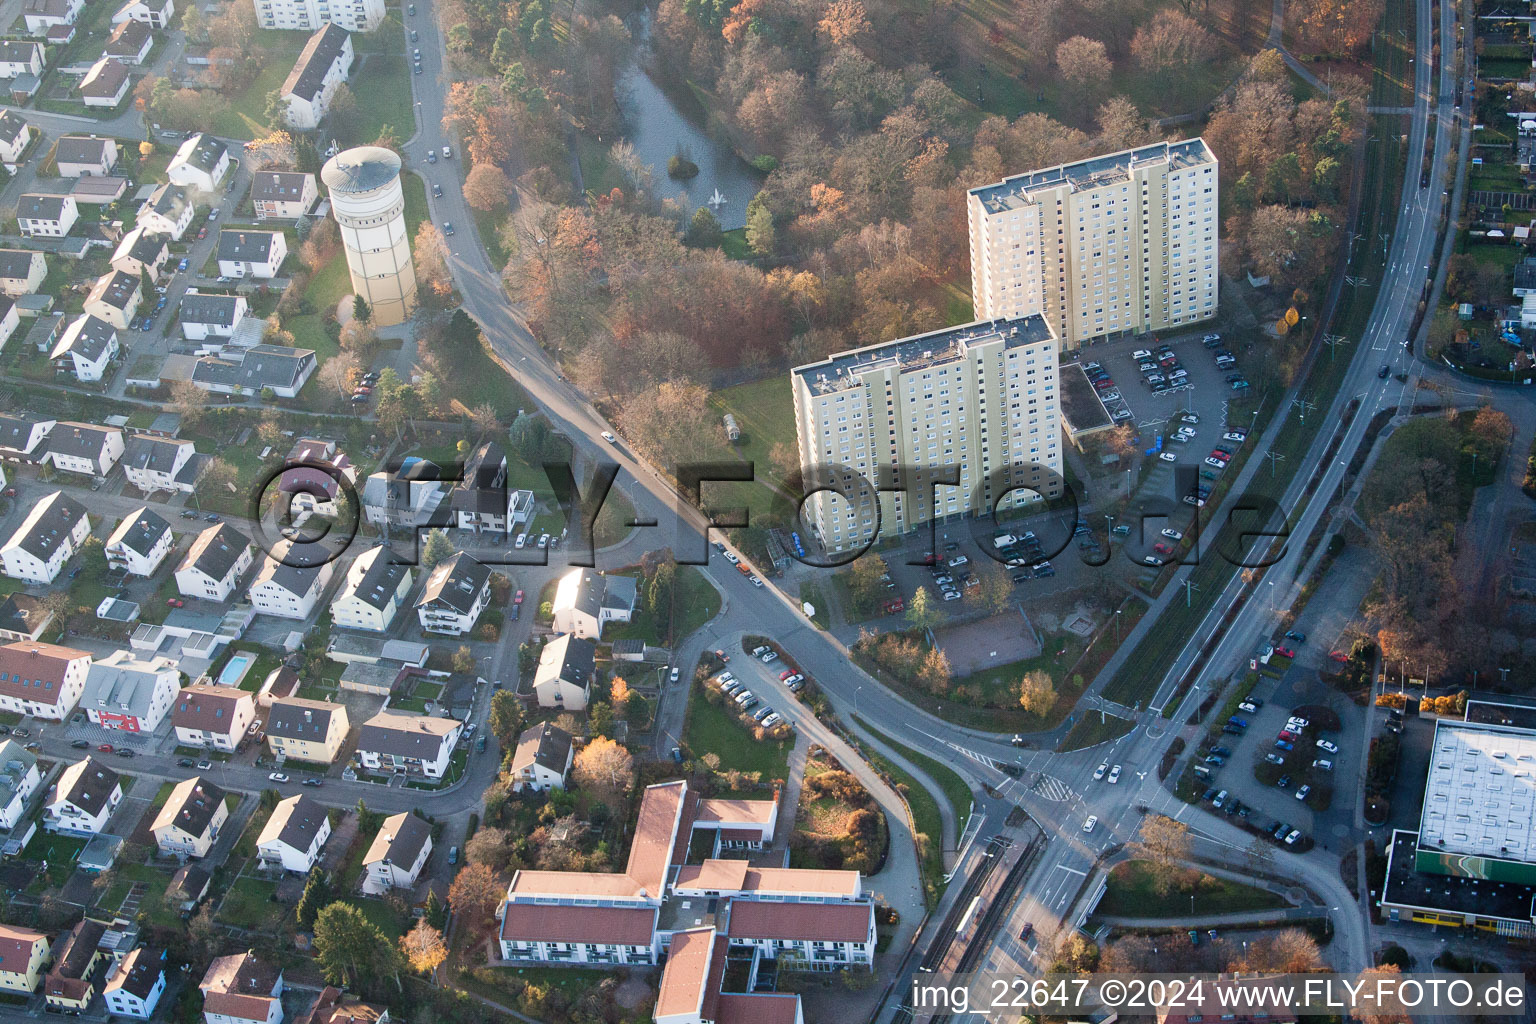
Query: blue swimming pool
[(234, 670)]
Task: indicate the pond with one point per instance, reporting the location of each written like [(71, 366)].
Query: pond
[(658, 129)]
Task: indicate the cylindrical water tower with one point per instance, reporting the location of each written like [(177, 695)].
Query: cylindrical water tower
[(369, 207)]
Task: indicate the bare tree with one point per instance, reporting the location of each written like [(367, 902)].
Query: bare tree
[(339, 372)]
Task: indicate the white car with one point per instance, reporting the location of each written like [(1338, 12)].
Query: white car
[(760, 650), (543, 540), (1326, 746), (743, 696), (768, 656), (1290, 840), (1248, 706), (729, 557), (1114, 775), (772, 720), (1324, 764), (1301, 794), (1168, 457), (522, 539), (730, 685), (675, 673), (792, 680), (1214, 462), (277, 777), (1098, 772), (1299, 721), (1153, 560), (725, 677), (1090, 824), (1173, 535), (1233, 435), (754, 580), (608, 436)]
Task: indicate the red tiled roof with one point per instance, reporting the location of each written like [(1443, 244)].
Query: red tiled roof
[(685, 979), (827, 922), (40, 666), (776, 1008), (651, 852), (538, 922)]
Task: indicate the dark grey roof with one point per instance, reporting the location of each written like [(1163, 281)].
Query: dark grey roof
[(578, 657), (215, 550), (597, 591), (16, 263), (85, 440), (144, 246), (191, 880), (197, 810), (15, 51), (1525, 273), (293, 567), (410, 836), (40, 206), (322, 51), (303, 823), (169, 201), (80, 149), (295, 718), (545, 745), (260, 366), (197, 308), (139, 972), (455, 582), (16, 431), (116, 289), (278, 186), (405, 735), (12, 124), (154, 454), (88, 337), (382, 579), (483, 488), (127, 39), (245, 245), (205, 153), (92, 788), (141, 532), (21, 613), (362, 169)]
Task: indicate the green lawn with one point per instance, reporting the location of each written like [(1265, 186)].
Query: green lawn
[(382, 86), (243, 119), (1132, 892), (599, 173), (1094, 727), (734, 244), (764, 411), (328, 286), (711, 729), (956, 792), (248, 903), (382, 915)]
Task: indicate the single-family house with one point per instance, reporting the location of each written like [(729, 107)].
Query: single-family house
[(246, 252), (20, 57), (21, 271), (306, 730), (586, 600), (46, 215), (481, 500), (191, 819), (188, 887), (140, 543), (168, 211), (283, 195), (160, 463), (24, 439), (15, 133), (84, 448), (10, 319), (115, 298), (126, 692), (83, 798), (142, 251), (106, 84), (46, 540), (137, 981), (200, 163), (216, 717), (23, 617), (332, 1006), (70, 985), (455, 593), (542, 759), (210, 316), (23, 954), (41, 680), (563, 677), (403, 743), (129, 42), (242, 989), (214, 564), (78, 155), (88, 346), (282, 369), (154, 13), (19, 779), (290, 579), (293, 835), (375, 589), (322, 67), (397, 854), (41, 15)]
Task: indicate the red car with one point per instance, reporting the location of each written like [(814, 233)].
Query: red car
[(105, 748), (362, 389), (202, 232), (1286, 652), (1287, 735), (1339, 656), (786, 673), (174, 602), (1217, 453), (519, 598), (1162, 549)]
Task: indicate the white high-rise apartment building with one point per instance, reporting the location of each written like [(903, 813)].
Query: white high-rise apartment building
[(1124, 243), (313, 15), (979, 399)]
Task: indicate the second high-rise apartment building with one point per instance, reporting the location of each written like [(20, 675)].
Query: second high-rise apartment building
[(313, 15), (981, 400), (1124, 243)]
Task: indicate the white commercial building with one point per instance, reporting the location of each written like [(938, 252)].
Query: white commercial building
[(1119, 244), (980, 401)]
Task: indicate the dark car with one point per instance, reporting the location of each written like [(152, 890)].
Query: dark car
[(184, 762), (123, 752), (480, 744), (81, 744), (437, 191), (1383, 372), (312, 782), (1232, 730), (677, 754), (447, 227)]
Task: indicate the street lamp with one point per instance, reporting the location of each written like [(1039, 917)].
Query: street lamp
[(856, 690)]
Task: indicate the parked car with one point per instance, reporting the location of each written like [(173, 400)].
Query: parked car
[(277, 777), (1324, 745), (205, 766), (1324, 764), (313, 782), (1274, 759), (81, 744)]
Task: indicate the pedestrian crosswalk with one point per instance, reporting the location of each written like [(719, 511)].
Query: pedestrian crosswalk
[(1051, 788)]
